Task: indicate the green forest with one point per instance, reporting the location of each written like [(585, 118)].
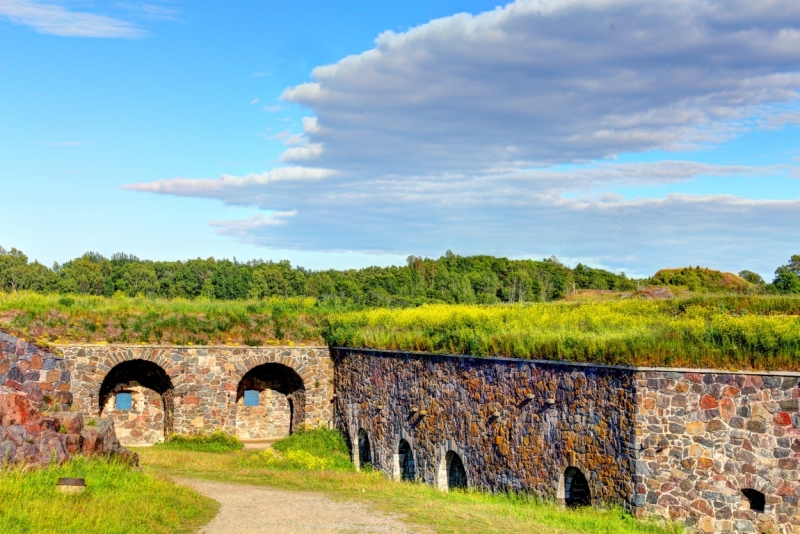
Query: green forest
[(451, 279)]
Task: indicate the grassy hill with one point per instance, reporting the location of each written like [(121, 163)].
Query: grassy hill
[(700, 280)]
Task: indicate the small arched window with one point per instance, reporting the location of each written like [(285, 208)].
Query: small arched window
[(576, 488), (756, 499), (364, 453), (456, 474), (407, 469)]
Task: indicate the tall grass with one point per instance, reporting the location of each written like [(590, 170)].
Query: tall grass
[(118, 499), (729, 332), (120, 319), (307, 449), (217, 441)]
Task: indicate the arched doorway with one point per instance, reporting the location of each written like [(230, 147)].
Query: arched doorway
[(576, 488), (138, 396), (364, 450), (270, 402), (406, 460), (452, 474)]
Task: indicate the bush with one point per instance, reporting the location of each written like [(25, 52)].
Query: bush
[(217, 441), (309, 450)]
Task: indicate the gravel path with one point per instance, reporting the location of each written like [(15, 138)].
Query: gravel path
[(254, 509)]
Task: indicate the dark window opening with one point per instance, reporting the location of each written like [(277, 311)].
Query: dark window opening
[(756, 499), (407, 471), (123, 401), (251, 397), (576, 488), (456, 474), (364, 453)]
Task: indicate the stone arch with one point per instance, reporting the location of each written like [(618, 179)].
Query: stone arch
[(573, 488), (281, 401), (451, 472), (253, 360), (150, 417), (364, 449), (405, 464)]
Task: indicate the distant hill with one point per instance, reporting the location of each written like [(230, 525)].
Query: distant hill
[(700, 280)]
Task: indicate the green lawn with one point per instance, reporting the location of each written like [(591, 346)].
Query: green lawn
[(317, 461), (118, 499)]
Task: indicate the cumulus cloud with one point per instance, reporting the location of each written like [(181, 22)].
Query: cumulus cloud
[(54, 19), (552, 81), (496, 133)]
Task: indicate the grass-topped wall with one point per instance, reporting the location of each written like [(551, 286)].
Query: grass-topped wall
[(728, 331)]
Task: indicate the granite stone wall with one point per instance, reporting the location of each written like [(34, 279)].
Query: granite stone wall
[(717, 451), (43, 375), (197, 385), (143, 424), (709, 438), (514, 424)]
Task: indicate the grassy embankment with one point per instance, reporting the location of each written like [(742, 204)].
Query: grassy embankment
[(727, 331), (319, 461), (118, 499)]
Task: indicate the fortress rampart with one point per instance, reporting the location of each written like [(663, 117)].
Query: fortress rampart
[(716, 450)]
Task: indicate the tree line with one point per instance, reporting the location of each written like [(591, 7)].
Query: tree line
[(448, 279)]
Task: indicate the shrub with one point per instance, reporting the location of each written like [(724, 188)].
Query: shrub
[(310, 450), (217, 441)]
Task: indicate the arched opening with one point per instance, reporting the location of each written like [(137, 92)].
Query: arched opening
[(270, 402), (452, 474), (364, 451), (755, 499), (138, 396), (406, 460), (576, 488)]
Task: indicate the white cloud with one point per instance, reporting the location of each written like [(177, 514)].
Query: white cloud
[(463, 133), (271, 109), (242, 228), (551, 81), (226, 182), (255, 101), (52, 18), (260, 74)]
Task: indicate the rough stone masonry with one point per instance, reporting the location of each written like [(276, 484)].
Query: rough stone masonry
[(717, 451)]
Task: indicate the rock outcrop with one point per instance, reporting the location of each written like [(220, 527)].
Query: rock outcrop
[(28, 437)]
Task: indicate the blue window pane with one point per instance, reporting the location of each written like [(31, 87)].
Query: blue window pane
[(250, 397), (123, 401)]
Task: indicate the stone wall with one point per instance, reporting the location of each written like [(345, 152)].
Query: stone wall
[(515, 424), (198, 385), (42, 375), (143, 424), (272, 418), (706, 436), (681, 444)]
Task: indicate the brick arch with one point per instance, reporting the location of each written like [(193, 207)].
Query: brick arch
[(441, 474)]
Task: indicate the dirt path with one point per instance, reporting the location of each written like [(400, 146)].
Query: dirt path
[(254, 509)]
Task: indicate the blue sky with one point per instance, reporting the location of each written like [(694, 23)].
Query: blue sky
[(342, 134)]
